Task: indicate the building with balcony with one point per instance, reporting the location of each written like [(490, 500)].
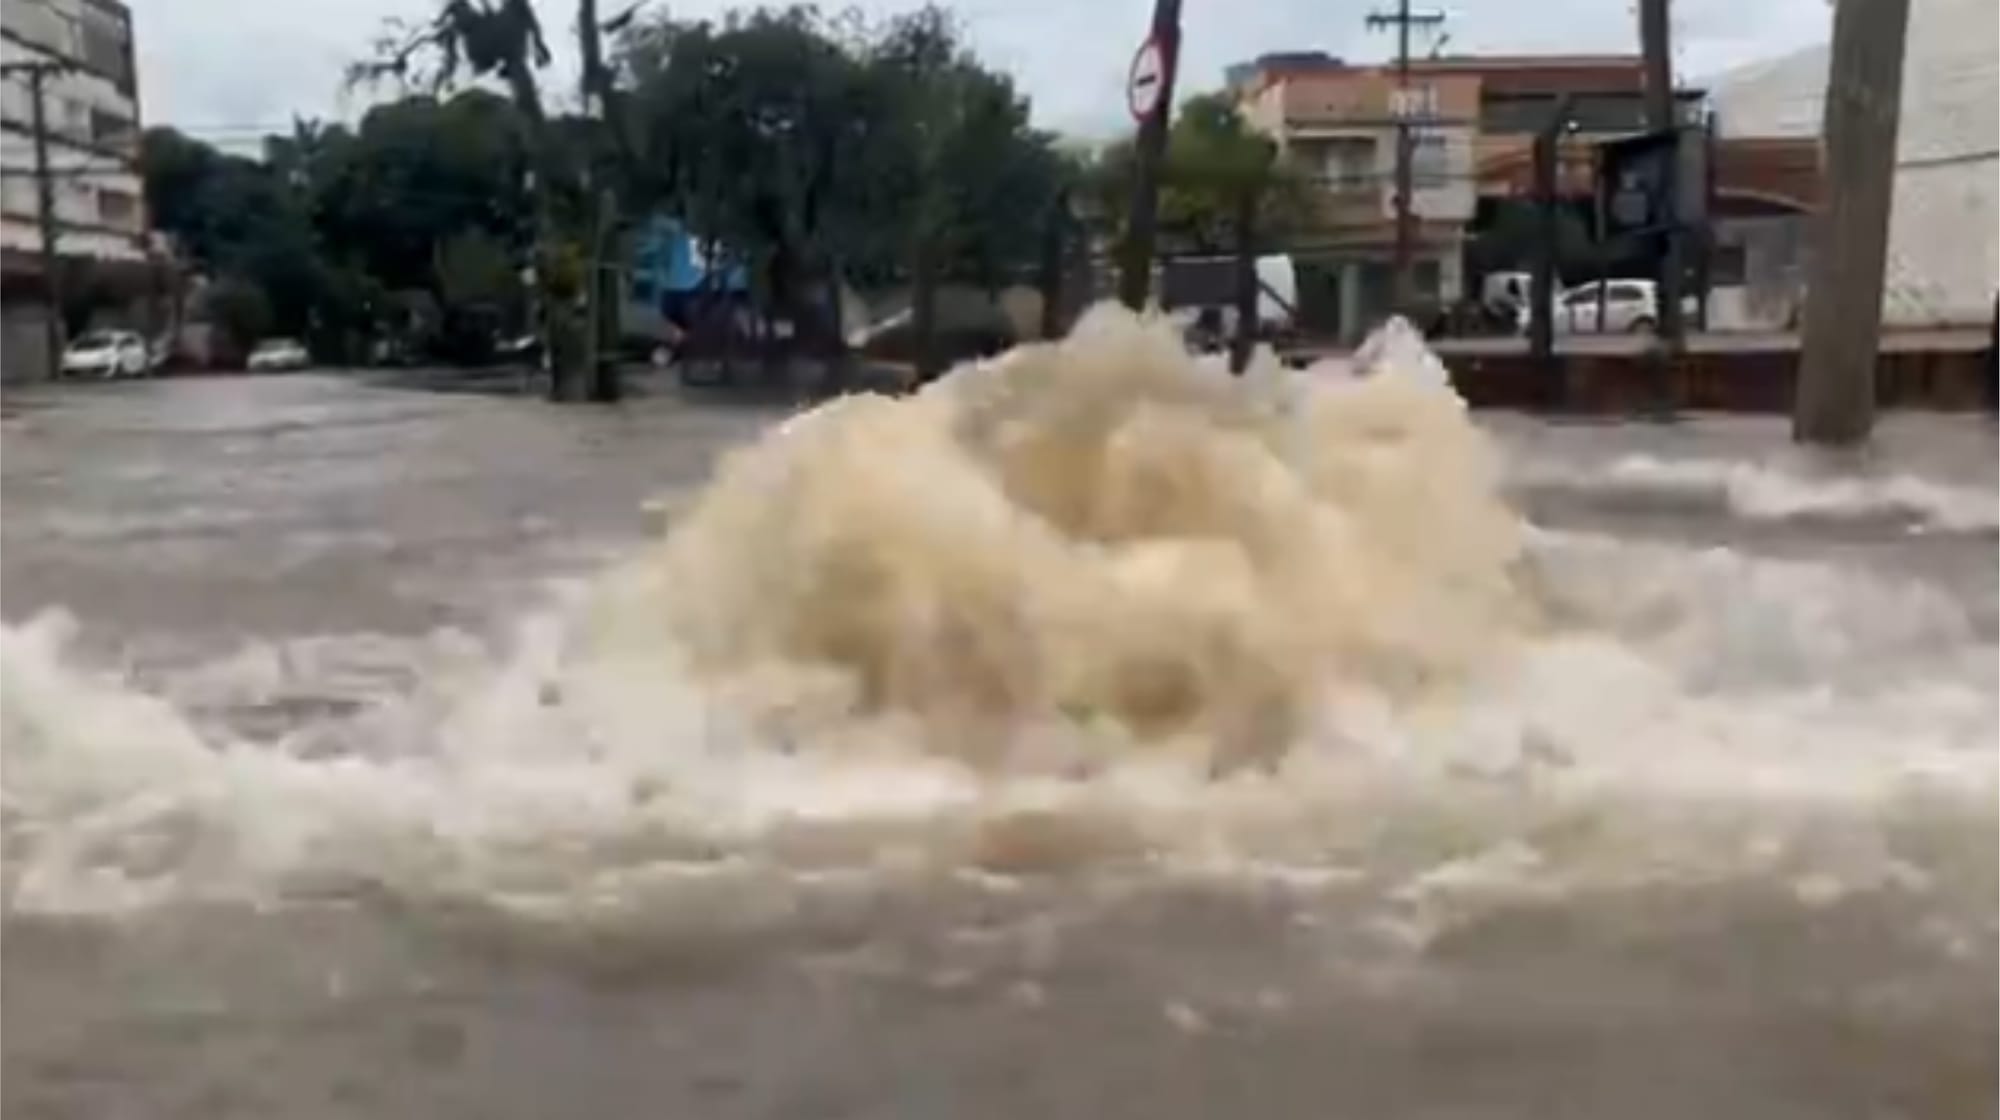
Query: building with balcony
[(1473, 121), (90, 114)]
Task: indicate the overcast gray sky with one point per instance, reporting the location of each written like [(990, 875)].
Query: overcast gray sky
[(227, 69)]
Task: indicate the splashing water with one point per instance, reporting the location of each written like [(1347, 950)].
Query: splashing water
[(1092, 601), (1100, 532)]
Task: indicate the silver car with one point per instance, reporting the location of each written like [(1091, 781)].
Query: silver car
[(278, 354)]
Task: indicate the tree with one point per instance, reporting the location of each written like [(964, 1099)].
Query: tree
[(497, 38), (1213, 160), (238, 308), (986, 184), (819, 150), (418, 172), (769, 141), (235, 216)]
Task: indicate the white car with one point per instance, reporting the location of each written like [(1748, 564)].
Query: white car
[(1630, 307), (105, 354), (279, 353)]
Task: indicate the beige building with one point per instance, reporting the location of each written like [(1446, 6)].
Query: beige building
[(1339, 124), (91, 114), (1474, 118)]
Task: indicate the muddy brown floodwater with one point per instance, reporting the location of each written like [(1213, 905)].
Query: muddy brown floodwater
[(316, 805)]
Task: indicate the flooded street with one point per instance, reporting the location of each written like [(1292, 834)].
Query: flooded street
[(350, 770)]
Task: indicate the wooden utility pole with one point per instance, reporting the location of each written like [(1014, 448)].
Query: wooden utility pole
[(1835, 402), (1402, 19), (37, 75), (1656, 43), (1137, 272)]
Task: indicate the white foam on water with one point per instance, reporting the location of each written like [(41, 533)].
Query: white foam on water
[(1777, 492), (1091, 604)]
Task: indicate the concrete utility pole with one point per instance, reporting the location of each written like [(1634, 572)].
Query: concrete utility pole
[(1835, 402), (1402, 19), (37, 74), (601, 287), (1542, 285), (1656, 43), (1137, 273)]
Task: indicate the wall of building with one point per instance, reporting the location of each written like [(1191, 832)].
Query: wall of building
[(23, 350), (92, 118), (1760, 262), (1944, 226), (1342, 124), (92, 130)]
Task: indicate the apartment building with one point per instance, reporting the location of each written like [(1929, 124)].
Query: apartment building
[(90, 112), (1473, 119)]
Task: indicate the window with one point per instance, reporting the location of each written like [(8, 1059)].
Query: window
[(1628, 293), (1581, 297), (1430, 161), (1348, 163), (38, 24), (74, 201), (103, 40), (72, 119), (17, 194), (117, 208), (110, 128)]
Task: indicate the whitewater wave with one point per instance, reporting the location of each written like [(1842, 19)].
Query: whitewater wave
[(1774, 492), (1091, 605)]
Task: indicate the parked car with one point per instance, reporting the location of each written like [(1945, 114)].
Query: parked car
[(1630, 307), (105, 354), (279, 354)]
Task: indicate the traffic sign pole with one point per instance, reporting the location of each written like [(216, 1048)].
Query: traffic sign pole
[(1149, 94)]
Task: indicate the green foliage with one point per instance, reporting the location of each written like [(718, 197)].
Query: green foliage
[(1213, 158), (808, 145), (474, 269), (418, 172), (236, 216), (810, 148), (332, 219), (239, 309)]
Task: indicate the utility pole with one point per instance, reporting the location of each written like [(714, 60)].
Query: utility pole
[(1542, 284), (1835, 402), (1656, 43), (601, 288), (1402, 19), (37, 74), (1137, 273)]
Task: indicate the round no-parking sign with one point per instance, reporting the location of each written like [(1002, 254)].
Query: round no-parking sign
[(1147, 79)]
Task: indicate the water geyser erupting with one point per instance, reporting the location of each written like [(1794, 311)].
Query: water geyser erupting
[(1102, 533)]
